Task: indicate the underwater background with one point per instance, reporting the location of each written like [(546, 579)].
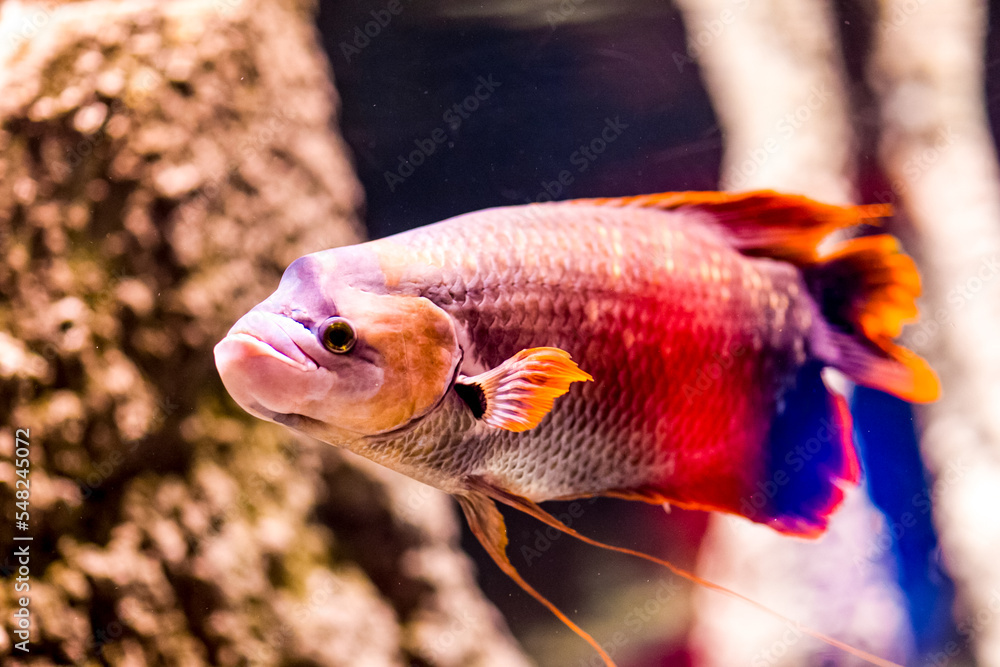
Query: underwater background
[(160, 165)]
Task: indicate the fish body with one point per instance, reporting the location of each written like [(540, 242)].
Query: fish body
[(697, 341), (666, 348), (689, 344)]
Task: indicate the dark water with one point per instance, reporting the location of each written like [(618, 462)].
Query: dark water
[(450, 107), (556, 88)]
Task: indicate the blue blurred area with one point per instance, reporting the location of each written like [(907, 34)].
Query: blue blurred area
[(897, 482)]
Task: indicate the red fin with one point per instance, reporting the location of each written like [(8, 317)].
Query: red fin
[(531, 508), (487, 525), (762, 222), (518, 393), (866, 288)]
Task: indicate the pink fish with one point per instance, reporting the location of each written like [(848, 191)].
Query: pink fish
[(665, 348)]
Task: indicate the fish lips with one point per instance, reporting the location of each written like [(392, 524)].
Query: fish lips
[(264, 367)]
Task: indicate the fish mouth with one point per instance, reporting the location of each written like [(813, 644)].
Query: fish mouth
[(269, 374), (264, 367), (273, 335), (255, 346)]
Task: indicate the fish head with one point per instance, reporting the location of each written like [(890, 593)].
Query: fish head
[(334, 354)]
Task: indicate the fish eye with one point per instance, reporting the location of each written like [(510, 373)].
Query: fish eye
[(337, 335)]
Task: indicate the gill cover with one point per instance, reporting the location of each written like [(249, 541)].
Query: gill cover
[(415, 362)]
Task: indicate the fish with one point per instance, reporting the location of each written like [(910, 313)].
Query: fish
[(672, 348)]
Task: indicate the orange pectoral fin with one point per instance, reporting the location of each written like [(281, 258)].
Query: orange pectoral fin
[(517, 394), (487, 525)]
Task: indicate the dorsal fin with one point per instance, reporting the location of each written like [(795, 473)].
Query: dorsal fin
[(762, 222), (865, 286)]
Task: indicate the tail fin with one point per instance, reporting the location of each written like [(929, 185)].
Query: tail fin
[(866, 290)]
